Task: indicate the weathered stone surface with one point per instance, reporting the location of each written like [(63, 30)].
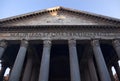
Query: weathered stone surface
[(59, 18), (61, 33)]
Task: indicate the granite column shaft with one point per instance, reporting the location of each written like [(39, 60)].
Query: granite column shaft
[(18, 64), (3, 45), (74, 65), (102, 68), (44, 68)]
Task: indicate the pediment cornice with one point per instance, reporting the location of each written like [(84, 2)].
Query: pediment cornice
[(59, 8), (39, 27)]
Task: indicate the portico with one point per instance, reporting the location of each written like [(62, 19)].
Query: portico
[(60, 49)]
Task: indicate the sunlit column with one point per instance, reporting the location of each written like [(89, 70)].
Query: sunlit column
[(17, 68), (102, 68), (74, 65)]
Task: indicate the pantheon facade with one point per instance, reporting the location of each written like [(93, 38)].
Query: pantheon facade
[(60, 44)]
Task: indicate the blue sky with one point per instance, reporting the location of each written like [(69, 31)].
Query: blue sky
[(16, 7)]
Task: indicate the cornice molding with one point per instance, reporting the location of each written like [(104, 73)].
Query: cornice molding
[(37, 27)]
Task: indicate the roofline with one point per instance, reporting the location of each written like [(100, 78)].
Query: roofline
[(30, 13), (58, 8)]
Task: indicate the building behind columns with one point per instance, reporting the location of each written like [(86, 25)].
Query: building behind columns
[(59, 44)]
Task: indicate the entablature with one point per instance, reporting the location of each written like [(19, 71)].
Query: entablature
[(56, 32)]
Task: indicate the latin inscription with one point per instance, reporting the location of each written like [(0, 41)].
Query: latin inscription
[(61, 34), (57, 35)]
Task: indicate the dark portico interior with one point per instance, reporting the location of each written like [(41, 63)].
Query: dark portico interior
[(59, 58)]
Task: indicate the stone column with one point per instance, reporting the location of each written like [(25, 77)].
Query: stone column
[(102, 68), (44, 68), (28, 69), (117, 68), (18, 64), (2, 72), (34, 73), (87, 75), (3, 45), (116, 45), (74, 65), (92, 69)]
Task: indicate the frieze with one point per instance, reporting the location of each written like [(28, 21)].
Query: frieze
[(59, 35)]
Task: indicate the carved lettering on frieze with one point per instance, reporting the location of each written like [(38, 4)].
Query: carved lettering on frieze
[(59, 35)]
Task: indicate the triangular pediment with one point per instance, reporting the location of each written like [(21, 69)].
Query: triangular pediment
[(59, 16)]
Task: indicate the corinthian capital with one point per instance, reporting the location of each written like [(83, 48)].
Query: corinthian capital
[(95, 43), (72, 42), (3, 44), (47, 43), (116, 43), (24, 43)]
